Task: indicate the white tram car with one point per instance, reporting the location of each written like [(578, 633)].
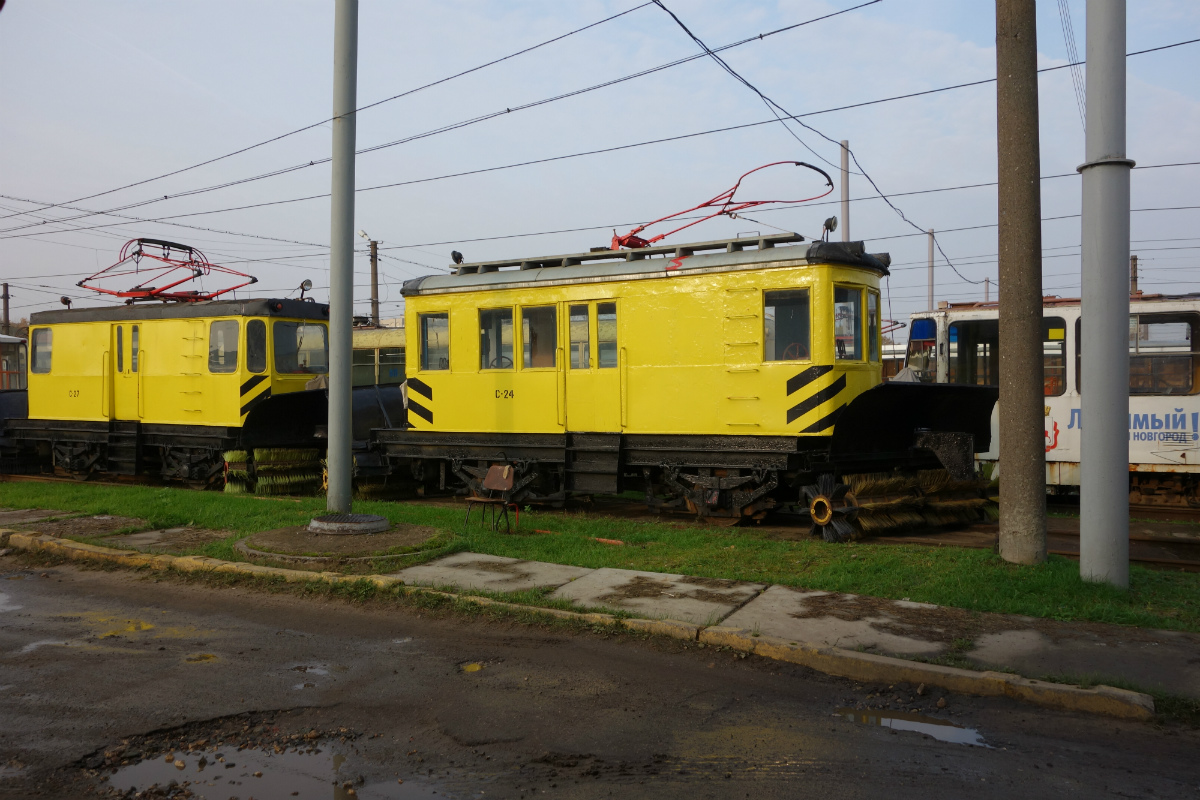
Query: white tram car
[(959, 343)]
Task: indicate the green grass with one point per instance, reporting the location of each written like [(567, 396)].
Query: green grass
[(971, 579)]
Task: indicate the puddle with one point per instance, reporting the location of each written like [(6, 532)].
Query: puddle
[(5, 605), (264, 776), (939, 729), (29, 648)]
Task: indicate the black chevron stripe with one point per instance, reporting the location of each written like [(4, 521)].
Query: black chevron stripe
[(825, 421), (816, 399), (420, 387), (250, 384), (256, 400), (420, 410), (798, 382)]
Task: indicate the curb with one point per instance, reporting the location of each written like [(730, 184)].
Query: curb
[(842, 663)]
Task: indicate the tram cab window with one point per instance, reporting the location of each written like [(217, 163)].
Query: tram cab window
[(121, 350), (256, 345), (786, 325), (222, 345), (43, 348), (133, 349), (301, 348), (496, 338), (922, 349), (539, 337), (435, 341), (606, 335), (581, 351), (847, 323), (873, 326)]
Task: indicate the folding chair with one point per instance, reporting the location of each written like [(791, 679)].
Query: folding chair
[(497, 485)]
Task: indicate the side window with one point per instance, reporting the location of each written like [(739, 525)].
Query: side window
[(222, 345), (973, 354), (606, 335), (301, 348), (1054, 356), (435, 341), (873, 326), (581, 353), (120, 349), (786, 325), (539, 337), (391, 366), (133, 348), (43, 346), (1162, 353), (496, 338), (362, 366), (847, 323), (256, 345)]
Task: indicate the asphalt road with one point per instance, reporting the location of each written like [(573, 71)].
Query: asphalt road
[(95, 662)]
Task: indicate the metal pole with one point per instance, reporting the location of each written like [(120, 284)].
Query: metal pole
[(375, 283), (341, 256), (845, 190), (930, 305), (4, 296), (1104, 444), (1132, 279), (1022, 418)]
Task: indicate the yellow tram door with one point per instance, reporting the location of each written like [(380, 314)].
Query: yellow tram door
[(593, 368), (124, 356)]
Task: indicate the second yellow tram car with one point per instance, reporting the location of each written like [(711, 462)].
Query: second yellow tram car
[(715, 376)]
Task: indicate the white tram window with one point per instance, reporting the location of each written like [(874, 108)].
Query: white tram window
[(362, 366), (973, 352), (43, 348), (847, 323), (301, 348), (391, 366), (1162, 353), (435, 340), (1054, 356), (922, 349), (496, 338), (222, 345), (786, 325), (606, 335), (539, 337), (581, 351)]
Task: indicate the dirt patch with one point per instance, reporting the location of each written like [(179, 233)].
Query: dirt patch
[(640, 586), (500, 567), (302, 542), (710, 583), (931, 624), (82, 527)]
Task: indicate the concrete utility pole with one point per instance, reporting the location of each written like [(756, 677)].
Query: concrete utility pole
[(1104, 444), (930, 306), (374, 277), (341, 254), (4, 297), (845, 191), (1132, 279), (1022, 418)]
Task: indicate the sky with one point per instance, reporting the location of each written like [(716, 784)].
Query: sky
[(97, 96)]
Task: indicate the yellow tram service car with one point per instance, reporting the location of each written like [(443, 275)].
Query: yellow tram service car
[(168, 387), (729, 377)]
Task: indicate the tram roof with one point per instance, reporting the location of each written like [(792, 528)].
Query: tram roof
[(264, 307), (602, 264)]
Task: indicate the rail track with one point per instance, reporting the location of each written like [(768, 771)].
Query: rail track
[(1158, 538)]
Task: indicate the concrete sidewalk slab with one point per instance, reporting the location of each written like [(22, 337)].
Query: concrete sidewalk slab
[(1164, 660), (168, 540), (493, 573), (22, 516), (701, 601), (824, 618)]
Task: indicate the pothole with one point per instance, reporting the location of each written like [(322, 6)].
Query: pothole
[(940, 729), (264, 775)]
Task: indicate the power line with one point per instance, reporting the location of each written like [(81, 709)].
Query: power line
[(447, 128), (360, 108)]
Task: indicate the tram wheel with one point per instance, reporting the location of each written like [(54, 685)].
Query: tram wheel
[(831, 508)]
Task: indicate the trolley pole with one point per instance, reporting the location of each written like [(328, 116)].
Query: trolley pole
[(1132, 279), (4, 297), (341, 255), (1104, 443), (1022, 419), (375, 283), (930, 306), (845, 191)]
